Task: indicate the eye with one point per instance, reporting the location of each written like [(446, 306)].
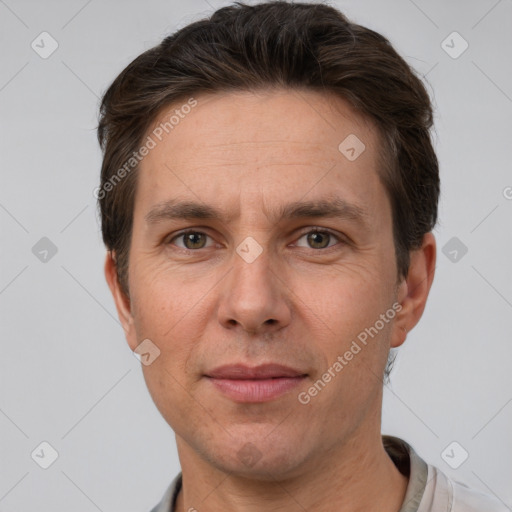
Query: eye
[(191, 240), (318, 239)]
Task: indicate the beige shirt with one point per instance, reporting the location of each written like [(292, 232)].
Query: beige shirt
[(429, 489)]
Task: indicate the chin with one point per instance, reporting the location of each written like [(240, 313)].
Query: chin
[(257, 456)]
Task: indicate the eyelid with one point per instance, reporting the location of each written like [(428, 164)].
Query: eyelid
[(321, 229)]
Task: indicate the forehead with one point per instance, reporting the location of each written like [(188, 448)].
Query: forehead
[(304, 119), (266, 147)]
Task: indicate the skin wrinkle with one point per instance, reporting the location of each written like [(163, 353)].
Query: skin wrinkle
[(210, 307)]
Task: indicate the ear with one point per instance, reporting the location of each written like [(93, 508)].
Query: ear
[(122, 301), (414, 289)]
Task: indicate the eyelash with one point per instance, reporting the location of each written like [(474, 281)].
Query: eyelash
[(302, 234)]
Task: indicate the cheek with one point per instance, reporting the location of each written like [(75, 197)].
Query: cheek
[(166, 386), (161, 299), (345, 300), (166, 317), (172, 322), (353, 341), (344, 319)]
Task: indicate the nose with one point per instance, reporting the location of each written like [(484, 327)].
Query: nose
[(254, 297)]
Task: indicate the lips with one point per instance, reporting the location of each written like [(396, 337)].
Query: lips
[(262, 383), (264, 371)]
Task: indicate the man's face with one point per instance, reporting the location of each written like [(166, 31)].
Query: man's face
[(252, 288)]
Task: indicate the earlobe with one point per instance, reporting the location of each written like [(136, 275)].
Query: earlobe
[(121, 300), (414, 289)]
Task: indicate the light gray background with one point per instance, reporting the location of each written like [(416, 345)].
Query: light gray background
[(67, 374)]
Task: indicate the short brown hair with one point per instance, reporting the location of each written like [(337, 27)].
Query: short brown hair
[(275, 44)]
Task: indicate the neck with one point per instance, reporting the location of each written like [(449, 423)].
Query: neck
[(356, 475)]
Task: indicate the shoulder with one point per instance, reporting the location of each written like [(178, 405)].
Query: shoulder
[(454, 496), (471, 500), (431, 490)]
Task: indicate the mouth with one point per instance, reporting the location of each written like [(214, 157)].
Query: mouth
[(262, 383)]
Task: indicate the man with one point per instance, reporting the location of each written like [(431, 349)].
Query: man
[(268, 193)]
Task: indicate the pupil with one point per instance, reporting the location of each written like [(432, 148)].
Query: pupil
[(314, 240), (193, 238)]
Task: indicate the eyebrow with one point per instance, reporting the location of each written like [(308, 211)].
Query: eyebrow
[(328, 208)]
